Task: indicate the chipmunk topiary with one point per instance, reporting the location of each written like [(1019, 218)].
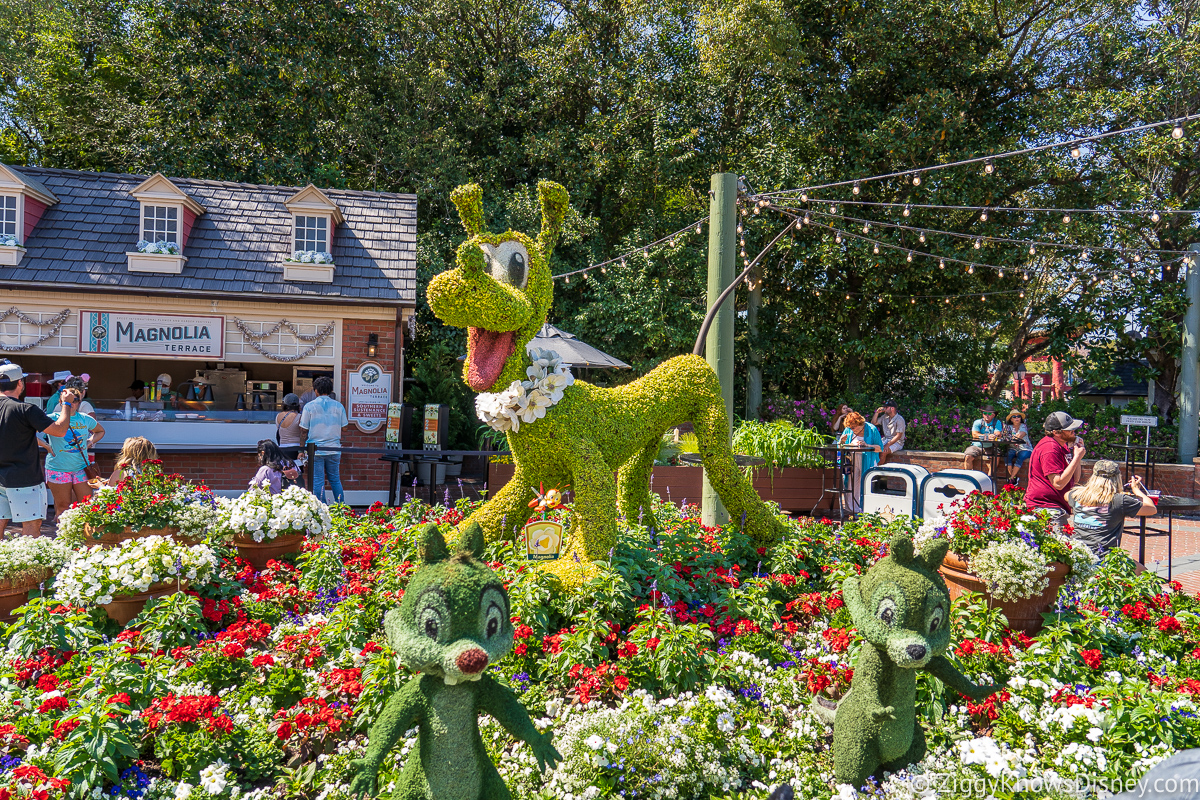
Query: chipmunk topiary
[(453, 621), (901, 607)]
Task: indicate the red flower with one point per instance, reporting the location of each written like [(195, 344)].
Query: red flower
[(521, 649), (121, 697), (48, 683), (627, 650), (838, 639), (652, 644), (371, 647), (522, 632), (1169, 625), (1092, 658), (62, 729), (59, 703), (621, 683), (265, 660)]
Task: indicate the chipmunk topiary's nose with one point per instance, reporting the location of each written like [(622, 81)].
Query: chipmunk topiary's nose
[(471, 661), (915, 651)]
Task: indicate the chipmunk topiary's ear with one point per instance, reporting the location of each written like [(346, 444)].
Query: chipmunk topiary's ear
[(852, 596), (468, 199), (472, 540), (934, 552), (901, 547), (432, 545), (554, 200)]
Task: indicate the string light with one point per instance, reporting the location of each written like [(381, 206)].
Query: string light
[(1001, 272), (697, 227), (803, 197), (989, 167), (916, 179), (941, 263), (876, 250), (1155, 216), (907, 209), (978, 243), (838, 238), (740, 228), (866, 227), (1032, 249), (921, 237), (857, 187), (983, 215), (910, 255), (1076, 152), (1066, 219), (1177, 130), (970, 269)]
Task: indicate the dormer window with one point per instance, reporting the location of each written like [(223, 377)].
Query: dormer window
[(160, 224), (314, 223), (167, 215), (23, 200), (8, 216), (312, 234)]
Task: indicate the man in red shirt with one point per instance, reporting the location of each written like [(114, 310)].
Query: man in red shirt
[(1055, 465)]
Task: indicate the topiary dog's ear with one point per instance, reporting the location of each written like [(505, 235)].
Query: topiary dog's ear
[(471, 540), (468, 199), (431, 545), (934, 552), (901, 547), (554, 200)]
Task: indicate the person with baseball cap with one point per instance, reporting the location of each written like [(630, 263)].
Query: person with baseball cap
[(22, 483), (1055, 465), (892, 428)]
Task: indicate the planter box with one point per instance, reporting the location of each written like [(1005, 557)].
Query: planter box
[(796, 490), (14, 595), (11, 256), (125, 607), (259, 553), (308, 273), (98, 536), (156, 262)]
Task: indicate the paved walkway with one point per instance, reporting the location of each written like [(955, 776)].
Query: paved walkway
[(1185, 549)]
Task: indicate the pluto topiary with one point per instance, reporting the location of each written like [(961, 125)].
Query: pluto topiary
[(453, 621), (573, 433), (901, 607)]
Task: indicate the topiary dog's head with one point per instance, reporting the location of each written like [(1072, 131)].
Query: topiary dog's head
[(454, 619), (901, 604), (501, 289)]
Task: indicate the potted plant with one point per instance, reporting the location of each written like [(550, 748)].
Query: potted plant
[(1013, 556), (264, 526), (151, 503), (121, 579), (25, 562), (792, 474)]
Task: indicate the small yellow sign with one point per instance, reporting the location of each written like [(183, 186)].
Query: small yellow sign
[(543, 539)]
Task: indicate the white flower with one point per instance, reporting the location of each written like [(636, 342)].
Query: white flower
[(725, 722), (212, 777), (526, 401), (183, 791), (595, 742), (845, 792)]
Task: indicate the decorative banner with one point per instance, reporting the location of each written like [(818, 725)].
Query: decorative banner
[(543, 539), (395, 412), (431, 427), (370, 392), (158, 335)]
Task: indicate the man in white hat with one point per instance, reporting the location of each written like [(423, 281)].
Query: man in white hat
[(22, 483)]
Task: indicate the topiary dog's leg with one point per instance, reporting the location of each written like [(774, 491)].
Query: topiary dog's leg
[(633, 485), (738, 495), (593, 532), (507, 509)]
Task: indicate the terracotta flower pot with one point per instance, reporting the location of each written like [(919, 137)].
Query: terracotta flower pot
[(1023, 615), (13, 595), (125, 607), (259, 553), (97, 536)]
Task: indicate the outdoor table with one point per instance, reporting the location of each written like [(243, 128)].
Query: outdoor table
[(1147, 463), (838, 453), (995, 454), (1169, 504)]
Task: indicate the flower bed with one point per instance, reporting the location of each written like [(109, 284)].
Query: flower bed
[(685, 669)]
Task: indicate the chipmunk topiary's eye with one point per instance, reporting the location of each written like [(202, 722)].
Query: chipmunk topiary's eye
[(495, 612), (936, 619), (508, 262), (887, 610), (430, 621)]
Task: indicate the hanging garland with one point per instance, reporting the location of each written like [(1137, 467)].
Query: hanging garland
[(254, 339), (55, 324)]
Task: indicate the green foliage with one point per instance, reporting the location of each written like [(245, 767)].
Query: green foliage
[(45, 623), (781, 443), (93, 754), (171, 621)]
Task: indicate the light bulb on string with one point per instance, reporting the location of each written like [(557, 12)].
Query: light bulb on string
[(1154, 216), (567, 279), (757, 209), (1066, 219), (941, 263), (910, 255), (970, 269), (744, 211), (857, 187), (740, 227), (622, 263), (989, 167), (1177, 130), (1032, 249), (947, 301), (1076, 152), (838, 238), (876, 249), (907, 209), (604, 270), (1137, 257), (983, 215), (698, 227), (912, 300), (978, 243), (921, 237), (807, 219), (1022, 294), (847, 297), (834, 209), (1001, 273), (983, 298), (866, 227), (881, 300), (916, 179)]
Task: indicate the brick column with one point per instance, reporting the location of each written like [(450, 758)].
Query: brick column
[(364, 472)]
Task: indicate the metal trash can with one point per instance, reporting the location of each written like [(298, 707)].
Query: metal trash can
[(894, 489), (940, 489)]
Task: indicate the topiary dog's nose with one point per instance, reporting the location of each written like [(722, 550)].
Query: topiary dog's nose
[(473, 661), (915, 651)]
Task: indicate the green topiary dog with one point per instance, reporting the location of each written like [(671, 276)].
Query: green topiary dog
[(573, 433), (902, 608), (453, 621)]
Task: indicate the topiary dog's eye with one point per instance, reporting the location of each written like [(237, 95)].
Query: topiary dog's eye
[(494, 612), (887, 610), (508, 263), (936, 619)]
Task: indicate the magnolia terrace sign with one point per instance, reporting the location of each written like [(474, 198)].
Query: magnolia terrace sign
[(162, 336), (370, 392)]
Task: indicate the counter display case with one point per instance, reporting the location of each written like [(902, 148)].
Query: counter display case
[(191, 427)]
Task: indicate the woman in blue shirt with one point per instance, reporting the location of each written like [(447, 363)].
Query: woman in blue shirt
[(861, 433)]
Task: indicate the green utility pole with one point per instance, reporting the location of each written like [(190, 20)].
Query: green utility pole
[(718, 350), (1189, 379)]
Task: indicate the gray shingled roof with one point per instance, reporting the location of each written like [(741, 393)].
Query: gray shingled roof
[(238, 246)]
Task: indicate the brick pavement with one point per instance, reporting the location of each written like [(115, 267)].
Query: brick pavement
[(1185, 549)]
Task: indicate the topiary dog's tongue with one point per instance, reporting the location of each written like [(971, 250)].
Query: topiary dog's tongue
[(486, 353)]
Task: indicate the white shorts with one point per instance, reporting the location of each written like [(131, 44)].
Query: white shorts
[(23, 505), (894, 448)]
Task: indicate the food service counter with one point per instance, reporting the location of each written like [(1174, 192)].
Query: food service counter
[(197, 431)]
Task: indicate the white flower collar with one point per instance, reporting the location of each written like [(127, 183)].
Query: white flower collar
[(526, 401)]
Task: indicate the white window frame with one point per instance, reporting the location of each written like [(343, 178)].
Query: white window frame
[(310, 224), (19, 211), (167, 235)]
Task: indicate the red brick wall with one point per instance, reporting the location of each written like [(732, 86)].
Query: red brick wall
[(222, 471), (364, 472)]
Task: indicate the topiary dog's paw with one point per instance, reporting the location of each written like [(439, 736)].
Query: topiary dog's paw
[(545, 752), (884, 714), (363, 783)]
